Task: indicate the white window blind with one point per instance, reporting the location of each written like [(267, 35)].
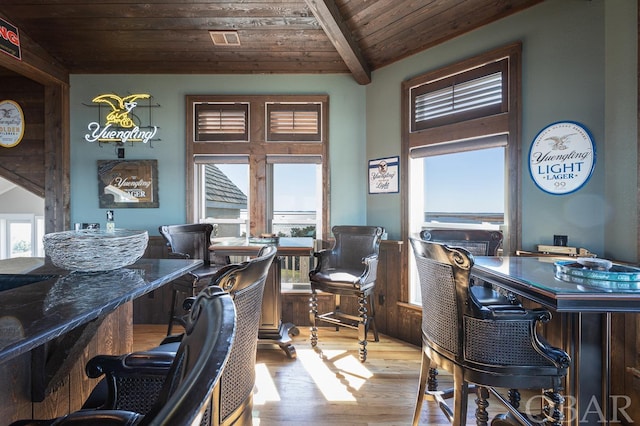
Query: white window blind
[(218, 122), (293, 122), (478, 93)]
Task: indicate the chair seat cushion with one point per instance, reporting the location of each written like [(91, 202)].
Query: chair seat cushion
[(488, 296), (342, 277), (342, 283)]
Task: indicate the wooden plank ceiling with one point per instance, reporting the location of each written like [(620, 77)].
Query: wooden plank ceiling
[(276, 36)]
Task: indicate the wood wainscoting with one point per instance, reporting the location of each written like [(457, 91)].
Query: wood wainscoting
[(394, 317), (114, 336)]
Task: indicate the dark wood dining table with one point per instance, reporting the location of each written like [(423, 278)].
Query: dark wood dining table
[(272, 328), (585, 332)]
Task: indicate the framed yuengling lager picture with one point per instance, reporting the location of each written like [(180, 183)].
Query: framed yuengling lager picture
[(128, 183), (383, 175)]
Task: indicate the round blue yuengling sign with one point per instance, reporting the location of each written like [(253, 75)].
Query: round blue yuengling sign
[(562, 157)]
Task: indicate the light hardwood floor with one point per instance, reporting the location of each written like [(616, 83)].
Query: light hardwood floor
[(329, 386)]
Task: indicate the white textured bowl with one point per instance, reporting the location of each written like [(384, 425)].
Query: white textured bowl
[(93, 250)]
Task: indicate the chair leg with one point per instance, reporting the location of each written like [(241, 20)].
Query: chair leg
[(460, 397), (482, 416), (172, 311), (422, 387), (362, 327), (553, 408), (514, 398), (337, 310), (372, 319), (313, 312), (432, 381)]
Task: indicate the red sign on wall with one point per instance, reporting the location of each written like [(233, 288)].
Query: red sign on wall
[(9, 39)]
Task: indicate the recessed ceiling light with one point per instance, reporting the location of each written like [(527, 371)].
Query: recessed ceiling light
[(225, 38)]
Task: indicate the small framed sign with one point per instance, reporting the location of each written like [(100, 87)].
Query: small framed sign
[(562, 157), (11, 123), (383, 175), (128, 183)]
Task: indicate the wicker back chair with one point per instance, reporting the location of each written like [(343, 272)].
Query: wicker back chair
[(190, 241), (350, 269), (478, 242), (479, 345), (245, 283), (192, 374)]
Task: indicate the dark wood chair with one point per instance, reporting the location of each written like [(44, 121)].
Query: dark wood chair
[(478, 242), (350, 269), (245, 283), (491, 348), (190, 241), (188, 393)]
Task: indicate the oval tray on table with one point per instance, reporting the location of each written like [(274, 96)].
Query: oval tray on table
[(613, 276)]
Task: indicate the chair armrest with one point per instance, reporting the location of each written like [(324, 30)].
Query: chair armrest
[(145, 362), (370, 268), (131, 382), (177, 255), (174, 338), (99, 417), (188, 302), (515, 312)]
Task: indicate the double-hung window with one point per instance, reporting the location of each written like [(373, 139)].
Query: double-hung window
[(461, 148)]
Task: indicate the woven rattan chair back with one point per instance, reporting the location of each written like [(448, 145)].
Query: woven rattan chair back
[(490, 347), (246, 284), (478, 242), (188, 393)]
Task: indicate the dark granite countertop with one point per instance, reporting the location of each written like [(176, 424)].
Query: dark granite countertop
[(59, 301)]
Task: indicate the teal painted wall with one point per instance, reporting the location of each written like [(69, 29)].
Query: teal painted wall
[(579, 63), (346, 133), (568, 68)]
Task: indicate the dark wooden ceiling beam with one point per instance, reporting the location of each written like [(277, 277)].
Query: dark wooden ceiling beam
[(327, 13)]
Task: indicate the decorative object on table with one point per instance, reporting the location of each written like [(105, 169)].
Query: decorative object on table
[(95, 250), (111, 225), (128, 183), (11, 123), (600, 273), (564, 250), (384, 175), (265, 239), (562, 157)]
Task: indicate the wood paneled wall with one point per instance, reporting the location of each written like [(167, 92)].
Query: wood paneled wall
[(114, 336), (23, 164)]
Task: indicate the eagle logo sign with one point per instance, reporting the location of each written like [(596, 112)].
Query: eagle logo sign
[(558, 142), (120, 108)]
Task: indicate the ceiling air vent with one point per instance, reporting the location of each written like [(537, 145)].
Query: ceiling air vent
[(225, 38)]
